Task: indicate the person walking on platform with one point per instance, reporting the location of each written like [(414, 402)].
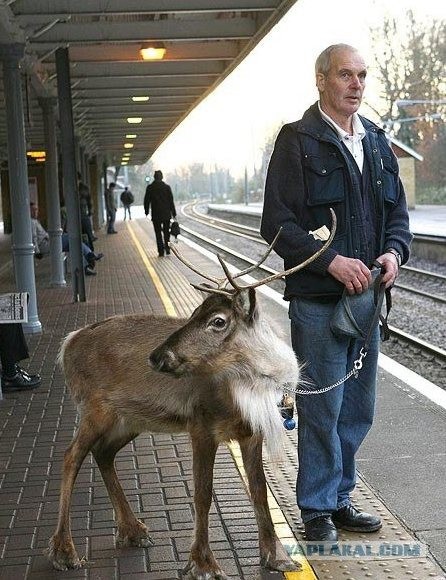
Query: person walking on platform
[(127, 199), (110, 206), (334, 158), (13, 349), (159, 197)]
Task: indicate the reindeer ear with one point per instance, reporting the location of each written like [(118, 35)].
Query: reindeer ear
[(245, 302), (252, 304)]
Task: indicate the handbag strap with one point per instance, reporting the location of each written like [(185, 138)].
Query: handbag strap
[(380, 291)]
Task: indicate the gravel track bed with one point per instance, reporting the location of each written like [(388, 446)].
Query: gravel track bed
[(418, 316)]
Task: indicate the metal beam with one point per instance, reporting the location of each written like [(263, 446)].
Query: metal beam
[(168, 30), (222, 50), (59, 8), (141, 68)]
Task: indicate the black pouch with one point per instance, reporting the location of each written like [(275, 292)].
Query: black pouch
[(174, 229), (356, 314)]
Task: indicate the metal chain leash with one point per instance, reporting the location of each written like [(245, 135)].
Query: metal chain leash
[(357, 366)]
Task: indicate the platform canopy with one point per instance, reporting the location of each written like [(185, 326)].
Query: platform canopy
[(204, 41)]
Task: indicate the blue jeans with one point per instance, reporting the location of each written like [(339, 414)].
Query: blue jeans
[(331, 426), (87, 254)]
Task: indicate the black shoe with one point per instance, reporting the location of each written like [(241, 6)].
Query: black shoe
[(91, 259), (89, 271), (351, 519), (161, 254), (321, 529), (94, 238), (167, 251), (98, 257), (20, 381)]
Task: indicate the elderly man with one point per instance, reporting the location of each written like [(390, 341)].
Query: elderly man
[(334, 158)]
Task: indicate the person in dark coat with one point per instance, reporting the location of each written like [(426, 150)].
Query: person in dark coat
[(86, 210), (334, 158), (127, 199), (13, 348), (110, 206), (160, 199)]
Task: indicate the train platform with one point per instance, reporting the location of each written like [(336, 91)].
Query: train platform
[(427, 220), (402, 464)]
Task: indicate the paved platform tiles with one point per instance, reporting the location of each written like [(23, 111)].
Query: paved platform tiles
[(155, 469)]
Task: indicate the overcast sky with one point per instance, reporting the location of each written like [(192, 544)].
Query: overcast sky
[(275, 83)]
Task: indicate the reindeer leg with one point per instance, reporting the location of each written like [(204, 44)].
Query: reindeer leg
[(202, 564), (61, 551), (273, 555), (131, 531)]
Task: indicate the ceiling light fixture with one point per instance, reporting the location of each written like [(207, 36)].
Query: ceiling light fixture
[(134, 120), (129, 145), (36, 154), (142, 99), (152, 50), (131, 136)]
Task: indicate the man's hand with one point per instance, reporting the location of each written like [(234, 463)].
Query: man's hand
[(353, 273), (390, 263)]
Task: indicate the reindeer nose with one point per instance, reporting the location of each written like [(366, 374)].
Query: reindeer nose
[(163, 360)]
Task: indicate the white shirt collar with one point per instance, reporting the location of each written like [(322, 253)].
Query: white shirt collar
[(358, 127)]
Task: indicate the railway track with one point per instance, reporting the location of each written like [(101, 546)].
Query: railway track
[(417, 353), (410, 277)]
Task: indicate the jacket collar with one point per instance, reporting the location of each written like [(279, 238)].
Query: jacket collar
[(313, 124)]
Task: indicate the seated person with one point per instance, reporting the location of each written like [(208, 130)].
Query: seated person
[(41, 241), (13, 348)]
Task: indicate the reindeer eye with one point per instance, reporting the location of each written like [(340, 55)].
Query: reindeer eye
[(218, 322)]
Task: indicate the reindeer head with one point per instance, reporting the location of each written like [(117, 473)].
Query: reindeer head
[(202, 345), (226, 335)]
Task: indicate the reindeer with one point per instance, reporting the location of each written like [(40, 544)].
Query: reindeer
[(217, 376)]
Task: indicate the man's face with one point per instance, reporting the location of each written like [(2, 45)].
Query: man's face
[(342, 88)]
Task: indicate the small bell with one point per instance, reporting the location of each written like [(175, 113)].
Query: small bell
[(287, 412)]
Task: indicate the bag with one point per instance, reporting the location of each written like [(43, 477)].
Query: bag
[(127, 198), (174, 229), (355, 315)]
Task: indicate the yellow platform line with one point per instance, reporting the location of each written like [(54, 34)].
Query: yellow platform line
[(170, 309), (281, 527)]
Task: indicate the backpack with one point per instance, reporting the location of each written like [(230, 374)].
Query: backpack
[(127, 197)]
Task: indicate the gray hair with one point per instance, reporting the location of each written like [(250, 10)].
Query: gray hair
[(323, 61)]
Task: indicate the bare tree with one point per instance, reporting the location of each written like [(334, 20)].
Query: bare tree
[(410, 57), (410, 61)]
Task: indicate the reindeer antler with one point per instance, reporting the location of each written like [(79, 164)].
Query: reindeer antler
[(222, 282)]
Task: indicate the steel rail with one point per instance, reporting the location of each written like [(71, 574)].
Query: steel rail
[(397, 333), (232, 228)]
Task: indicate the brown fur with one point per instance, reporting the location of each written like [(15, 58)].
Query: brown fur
[(119, 395)]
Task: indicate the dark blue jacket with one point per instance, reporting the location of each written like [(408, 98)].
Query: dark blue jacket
[(309, 172)]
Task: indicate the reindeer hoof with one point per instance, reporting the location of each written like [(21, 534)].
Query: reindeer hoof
[(282, 565), (195, 572), (63, 555), (135, 535)]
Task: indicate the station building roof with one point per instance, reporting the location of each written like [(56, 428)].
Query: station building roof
[(204, 41)]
